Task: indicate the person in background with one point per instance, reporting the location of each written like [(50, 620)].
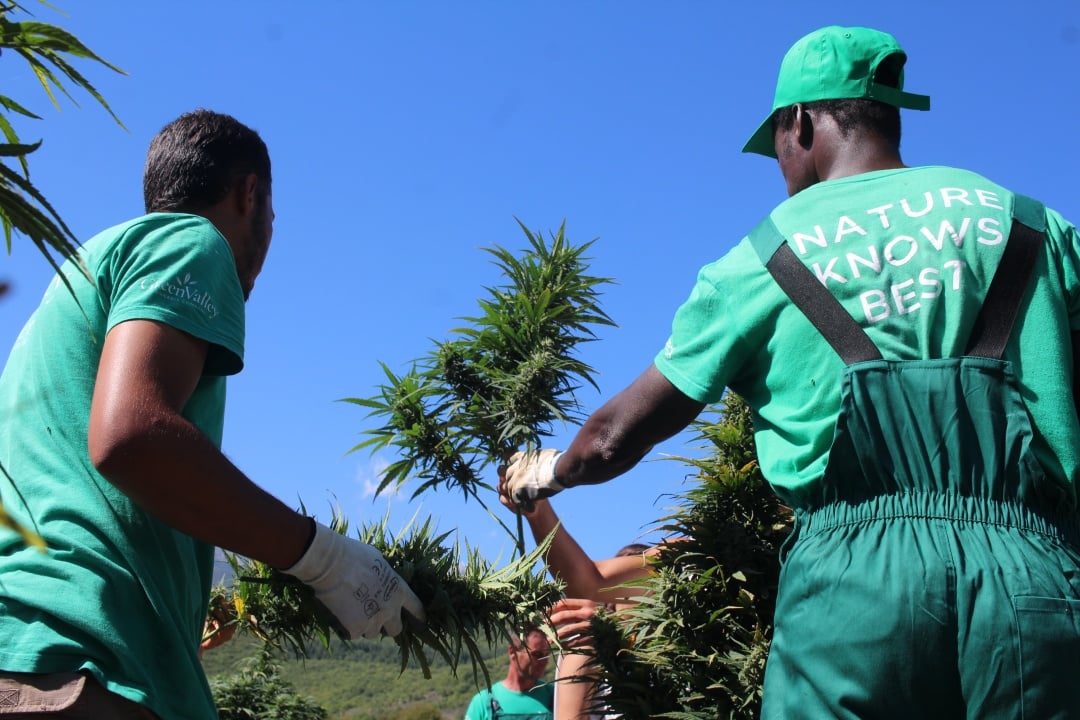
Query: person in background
[(112, 403), (523, 694), (906, 339), (590, 585)]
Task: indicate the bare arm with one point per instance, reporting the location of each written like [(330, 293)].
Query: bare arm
[(617, 436), (576, 686), (140, 442), (577, 681), (568, 562), (611, 441)]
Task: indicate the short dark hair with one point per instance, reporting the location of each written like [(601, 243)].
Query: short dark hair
[(878, 118), (632, 549), (195, 159)]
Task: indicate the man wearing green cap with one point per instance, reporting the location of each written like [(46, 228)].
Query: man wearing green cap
[(905, 339)]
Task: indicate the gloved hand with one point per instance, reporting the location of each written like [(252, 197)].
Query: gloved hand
[(531, 477), (356, 584)]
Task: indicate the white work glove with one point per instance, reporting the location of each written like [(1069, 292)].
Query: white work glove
[(531, 477), (356, 584)]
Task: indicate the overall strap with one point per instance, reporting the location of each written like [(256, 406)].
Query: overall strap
[(819, 306), (994, 323)]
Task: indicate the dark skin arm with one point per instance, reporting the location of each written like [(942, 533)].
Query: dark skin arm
[(617, 436), (140, 442)]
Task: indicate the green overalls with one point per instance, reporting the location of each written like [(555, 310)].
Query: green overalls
[(937, 572)]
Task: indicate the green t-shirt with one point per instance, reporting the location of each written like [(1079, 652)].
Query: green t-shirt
[(118, 593), (909, 254), (536, 704)]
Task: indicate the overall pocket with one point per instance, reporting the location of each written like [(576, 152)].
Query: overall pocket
[(1048, 636)]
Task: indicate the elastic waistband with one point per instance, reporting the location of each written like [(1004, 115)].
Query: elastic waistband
[(1060, 526)]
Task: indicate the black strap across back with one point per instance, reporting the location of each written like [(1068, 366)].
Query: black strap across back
[(992, 328)]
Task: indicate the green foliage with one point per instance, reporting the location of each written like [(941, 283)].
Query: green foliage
[(695, 646), (422, 711), (49, 51), (259, 693), (360, 680), (501, 382), (370, 686), (467, 600)]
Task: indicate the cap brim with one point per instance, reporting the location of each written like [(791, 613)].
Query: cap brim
[(762, 141)]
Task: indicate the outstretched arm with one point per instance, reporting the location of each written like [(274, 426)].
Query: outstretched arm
[(617, 436), (612, 440), (567, 561)]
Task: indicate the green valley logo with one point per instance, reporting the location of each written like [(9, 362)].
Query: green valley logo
[(185, 290)]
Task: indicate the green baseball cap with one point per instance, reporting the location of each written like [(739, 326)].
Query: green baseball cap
[(836, 63)]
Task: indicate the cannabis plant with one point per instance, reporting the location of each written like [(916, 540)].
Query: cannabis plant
[(498, 384), (49, 51), (694, 648), (465, 597), (258, 692), (501, 382), (23, 209)]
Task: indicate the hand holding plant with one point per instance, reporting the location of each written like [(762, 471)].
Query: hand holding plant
[(500, 383), (466, 599)]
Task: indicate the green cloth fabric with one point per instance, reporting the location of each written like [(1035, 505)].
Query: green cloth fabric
[(536, 704), (909, 254), (118, 593), (936, 580), (934, 569)]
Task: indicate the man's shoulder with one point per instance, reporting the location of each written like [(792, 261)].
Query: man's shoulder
[(912, 177), (480, 705), (839, 205), (544, 691), (948, 172), (153, 221), (484, 694), (182, 227)]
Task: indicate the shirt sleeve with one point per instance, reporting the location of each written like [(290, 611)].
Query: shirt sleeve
[(1069, 239), (178, 270), (476, 709), (706, 347)]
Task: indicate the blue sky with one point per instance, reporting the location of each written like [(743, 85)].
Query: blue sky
[(405, 136)]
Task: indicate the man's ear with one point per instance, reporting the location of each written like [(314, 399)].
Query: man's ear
[(246, 197), (804, 127)]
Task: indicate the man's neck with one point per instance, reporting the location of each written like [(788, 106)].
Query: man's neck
[(858, 156), (518, 683)]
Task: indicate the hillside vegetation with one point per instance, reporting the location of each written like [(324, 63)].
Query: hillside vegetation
[(363, 679)]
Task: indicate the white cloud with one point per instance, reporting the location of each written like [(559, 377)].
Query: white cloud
[(370, 475)]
